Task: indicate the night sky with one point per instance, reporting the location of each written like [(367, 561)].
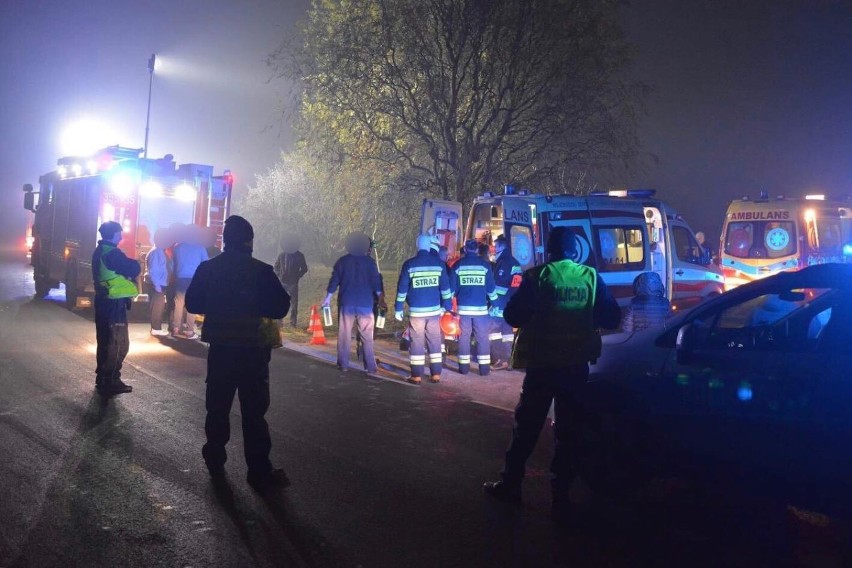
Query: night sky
[(748, 96)]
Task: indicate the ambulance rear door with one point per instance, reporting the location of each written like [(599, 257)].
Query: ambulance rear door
[(444, 220), (521, 228)]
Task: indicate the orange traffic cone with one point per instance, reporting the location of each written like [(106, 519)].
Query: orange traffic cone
[(315, 327)]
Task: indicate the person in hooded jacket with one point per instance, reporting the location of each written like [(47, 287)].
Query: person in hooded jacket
[(649, 306), (237, 294)]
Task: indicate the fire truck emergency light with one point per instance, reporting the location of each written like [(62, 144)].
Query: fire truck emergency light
[(151, 188), (121, 184), (185, 192)]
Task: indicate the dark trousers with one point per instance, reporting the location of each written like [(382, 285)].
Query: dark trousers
[(293, 290), (479, 326), (540, 388), (113, 343), (158, 306), (502, 335), (244, 369)]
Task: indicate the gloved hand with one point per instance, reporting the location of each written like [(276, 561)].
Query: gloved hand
[(327, 300), (495, 312), (397, 315)]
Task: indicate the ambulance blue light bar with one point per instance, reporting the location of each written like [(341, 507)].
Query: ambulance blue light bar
[(637, 193)]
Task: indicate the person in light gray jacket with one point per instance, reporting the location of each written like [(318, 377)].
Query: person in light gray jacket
[(158, 274), (649, 306)]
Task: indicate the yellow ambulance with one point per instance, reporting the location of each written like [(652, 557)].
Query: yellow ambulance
[(765, 236)]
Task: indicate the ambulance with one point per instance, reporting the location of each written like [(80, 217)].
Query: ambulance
[(620, 233), (767, 235), (115, 184)]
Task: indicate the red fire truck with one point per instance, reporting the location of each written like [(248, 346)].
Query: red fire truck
[(115, 184)]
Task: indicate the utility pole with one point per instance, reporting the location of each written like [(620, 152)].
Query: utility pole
[(152, 63)]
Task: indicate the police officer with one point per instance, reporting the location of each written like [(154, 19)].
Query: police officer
[(474, 290), (558, 308), (425, 286), (507, 278), (234, 292), (113, 275)]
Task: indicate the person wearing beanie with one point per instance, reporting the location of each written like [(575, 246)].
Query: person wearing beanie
[(558, 309), (114, 278), (360, 284), (235, 293), (475, 291), (425, 286)]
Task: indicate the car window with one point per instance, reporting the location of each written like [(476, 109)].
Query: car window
[(783, 320), (686, 247)]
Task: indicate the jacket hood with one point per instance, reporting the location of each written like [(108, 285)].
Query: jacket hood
[(649, 284)]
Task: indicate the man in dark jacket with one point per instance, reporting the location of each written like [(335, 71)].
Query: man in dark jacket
[(290, 267), (360, 283), (558, 307), (507, 278), (235, 292), (113, 275)]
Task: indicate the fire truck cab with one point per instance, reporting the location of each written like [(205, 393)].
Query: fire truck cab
[(115, 184), (765, 236), (620, 233)]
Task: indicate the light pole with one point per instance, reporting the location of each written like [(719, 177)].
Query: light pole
[(152, 63)]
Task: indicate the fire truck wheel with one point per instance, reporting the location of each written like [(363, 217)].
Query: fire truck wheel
[(42, 286), (71, 290)]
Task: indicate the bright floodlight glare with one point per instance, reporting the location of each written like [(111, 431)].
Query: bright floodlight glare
[(121, 184), (185, 192), (62, 171), (810, 215), (816, 197), (85, 137), (77, 169), (151, 188), (92, 167)]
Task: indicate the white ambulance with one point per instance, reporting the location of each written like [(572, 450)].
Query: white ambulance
[(620, 233), (767, 235)]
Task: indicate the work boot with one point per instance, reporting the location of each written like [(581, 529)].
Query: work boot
[(274, 478), (502, 491), (119, 387), (413, 380), (435, 378)]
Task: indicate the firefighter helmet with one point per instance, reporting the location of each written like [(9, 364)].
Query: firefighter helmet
[(450, 324)]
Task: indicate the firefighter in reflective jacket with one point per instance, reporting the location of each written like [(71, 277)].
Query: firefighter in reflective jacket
[(474, 291), (425, 286), (507, 278), (558, 308), (113, 274)]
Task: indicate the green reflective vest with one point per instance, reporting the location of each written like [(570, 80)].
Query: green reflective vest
[(561, 331), (117, 285)]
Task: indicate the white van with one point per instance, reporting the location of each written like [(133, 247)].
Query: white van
[(620, 233)]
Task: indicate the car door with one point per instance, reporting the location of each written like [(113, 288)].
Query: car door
[(743, 385)]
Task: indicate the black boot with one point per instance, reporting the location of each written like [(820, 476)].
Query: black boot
[(507, 492), (119, 387)]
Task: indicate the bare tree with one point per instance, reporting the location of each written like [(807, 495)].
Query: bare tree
[(462, 95)]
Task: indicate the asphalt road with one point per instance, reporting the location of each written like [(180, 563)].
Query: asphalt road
[(384, 474)]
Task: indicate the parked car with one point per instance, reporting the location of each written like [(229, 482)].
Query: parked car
[(755, 382)]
